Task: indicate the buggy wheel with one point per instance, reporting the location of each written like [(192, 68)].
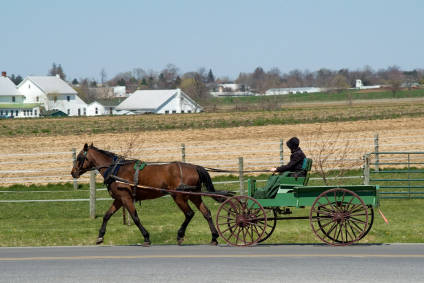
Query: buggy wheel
[(271, 223), (339, 217), (370, 221), (241, 221)]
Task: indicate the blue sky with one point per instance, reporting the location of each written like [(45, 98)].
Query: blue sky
[(229, 37)]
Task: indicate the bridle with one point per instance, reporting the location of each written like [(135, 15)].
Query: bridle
[(80, 162)]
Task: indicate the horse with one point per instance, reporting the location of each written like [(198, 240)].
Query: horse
[(162, 178)]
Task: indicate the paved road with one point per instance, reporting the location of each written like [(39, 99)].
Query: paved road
[(263, 263)]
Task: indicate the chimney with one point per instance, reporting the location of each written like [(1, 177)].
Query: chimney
[(3, 74)]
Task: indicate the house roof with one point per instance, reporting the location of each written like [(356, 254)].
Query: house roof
[(51, 84), (7, 87), (147, 99)]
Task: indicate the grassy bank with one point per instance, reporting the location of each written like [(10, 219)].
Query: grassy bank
[(68, 223)]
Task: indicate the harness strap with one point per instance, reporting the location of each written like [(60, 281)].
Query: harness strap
[(138, 166)]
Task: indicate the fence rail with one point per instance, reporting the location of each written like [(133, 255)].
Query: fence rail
[(54, 167)]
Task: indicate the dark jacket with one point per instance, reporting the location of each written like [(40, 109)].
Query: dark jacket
[(296, 158)]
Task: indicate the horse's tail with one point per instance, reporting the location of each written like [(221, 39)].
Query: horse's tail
[(205, 178)]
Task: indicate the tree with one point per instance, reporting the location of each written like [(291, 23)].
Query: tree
[(103, 76), (74, 81), (16, 79), (193, 85), (211, 78), (394, 79), (57, 70)]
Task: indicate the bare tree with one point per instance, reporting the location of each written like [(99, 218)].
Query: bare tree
[(103, 76), (331, 154)]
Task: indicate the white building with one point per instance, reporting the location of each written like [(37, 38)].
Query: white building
[(293, 90), (53, 93), (164, 101), (359, 85), (12, 101)]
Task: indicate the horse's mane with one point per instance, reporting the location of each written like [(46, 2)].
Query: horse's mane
[(111, 154), (105, 152)]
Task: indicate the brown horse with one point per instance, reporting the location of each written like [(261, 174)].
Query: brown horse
[(170, 176)]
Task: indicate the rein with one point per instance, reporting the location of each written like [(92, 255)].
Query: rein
[(216, 170)]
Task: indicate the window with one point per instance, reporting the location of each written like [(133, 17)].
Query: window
[(30, 112), (7, 112), (167, 112), (16, 113), (97, 111), (69, 111), (1, 112), (37, 99), (174, 111), (13, 99), (68, 98), (189, 111), (79, 112), (29, 85), (182, 111), (35, 112), (85, 111)]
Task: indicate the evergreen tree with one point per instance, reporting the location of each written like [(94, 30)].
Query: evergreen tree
[(211, 78)]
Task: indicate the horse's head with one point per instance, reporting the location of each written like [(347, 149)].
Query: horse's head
[(83, 162)]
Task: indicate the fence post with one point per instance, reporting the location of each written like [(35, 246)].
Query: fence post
[(377, 157), (241, 178), (74, 160), (183, 155), (92, 194), (366, 169), (281, 152)]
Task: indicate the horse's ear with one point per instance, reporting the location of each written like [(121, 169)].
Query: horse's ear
[(85, 147)]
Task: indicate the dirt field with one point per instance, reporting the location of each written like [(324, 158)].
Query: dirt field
[(51, 156)]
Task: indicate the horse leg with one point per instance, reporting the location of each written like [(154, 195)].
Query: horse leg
[(197, 200), (129, 205), (113, 208), (182, 203)]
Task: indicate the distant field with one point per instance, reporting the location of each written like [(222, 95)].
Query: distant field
[(297, 114), (345, 95)]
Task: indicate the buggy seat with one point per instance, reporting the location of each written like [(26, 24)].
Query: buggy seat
[(287, 179)]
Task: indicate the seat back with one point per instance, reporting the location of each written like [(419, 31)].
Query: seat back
[(307, 165)]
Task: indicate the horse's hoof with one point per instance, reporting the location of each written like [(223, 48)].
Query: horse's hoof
[(146, 244), (99, 240), (213, 243), (180, 241)]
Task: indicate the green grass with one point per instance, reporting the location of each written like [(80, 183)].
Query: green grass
[(68, 223), (318, 97)]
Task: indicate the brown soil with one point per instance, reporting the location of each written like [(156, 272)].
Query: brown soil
[(209, 147)]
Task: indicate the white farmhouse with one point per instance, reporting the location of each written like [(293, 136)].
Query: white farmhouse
[(53, 93), (164, 101), (12, 101)]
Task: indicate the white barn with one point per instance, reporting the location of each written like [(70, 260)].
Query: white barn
[(53, 93), (166, 101)]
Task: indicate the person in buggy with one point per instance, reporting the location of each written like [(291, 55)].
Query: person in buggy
[(296, 159)]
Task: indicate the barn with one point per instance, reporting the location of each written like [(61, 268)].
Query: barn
[(165, 101)]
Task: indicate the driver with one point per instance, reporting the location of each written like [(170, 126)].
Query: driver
[(296, 159)]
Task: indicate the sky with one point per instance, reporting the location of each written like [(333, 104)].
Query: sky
[(229, 36)]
